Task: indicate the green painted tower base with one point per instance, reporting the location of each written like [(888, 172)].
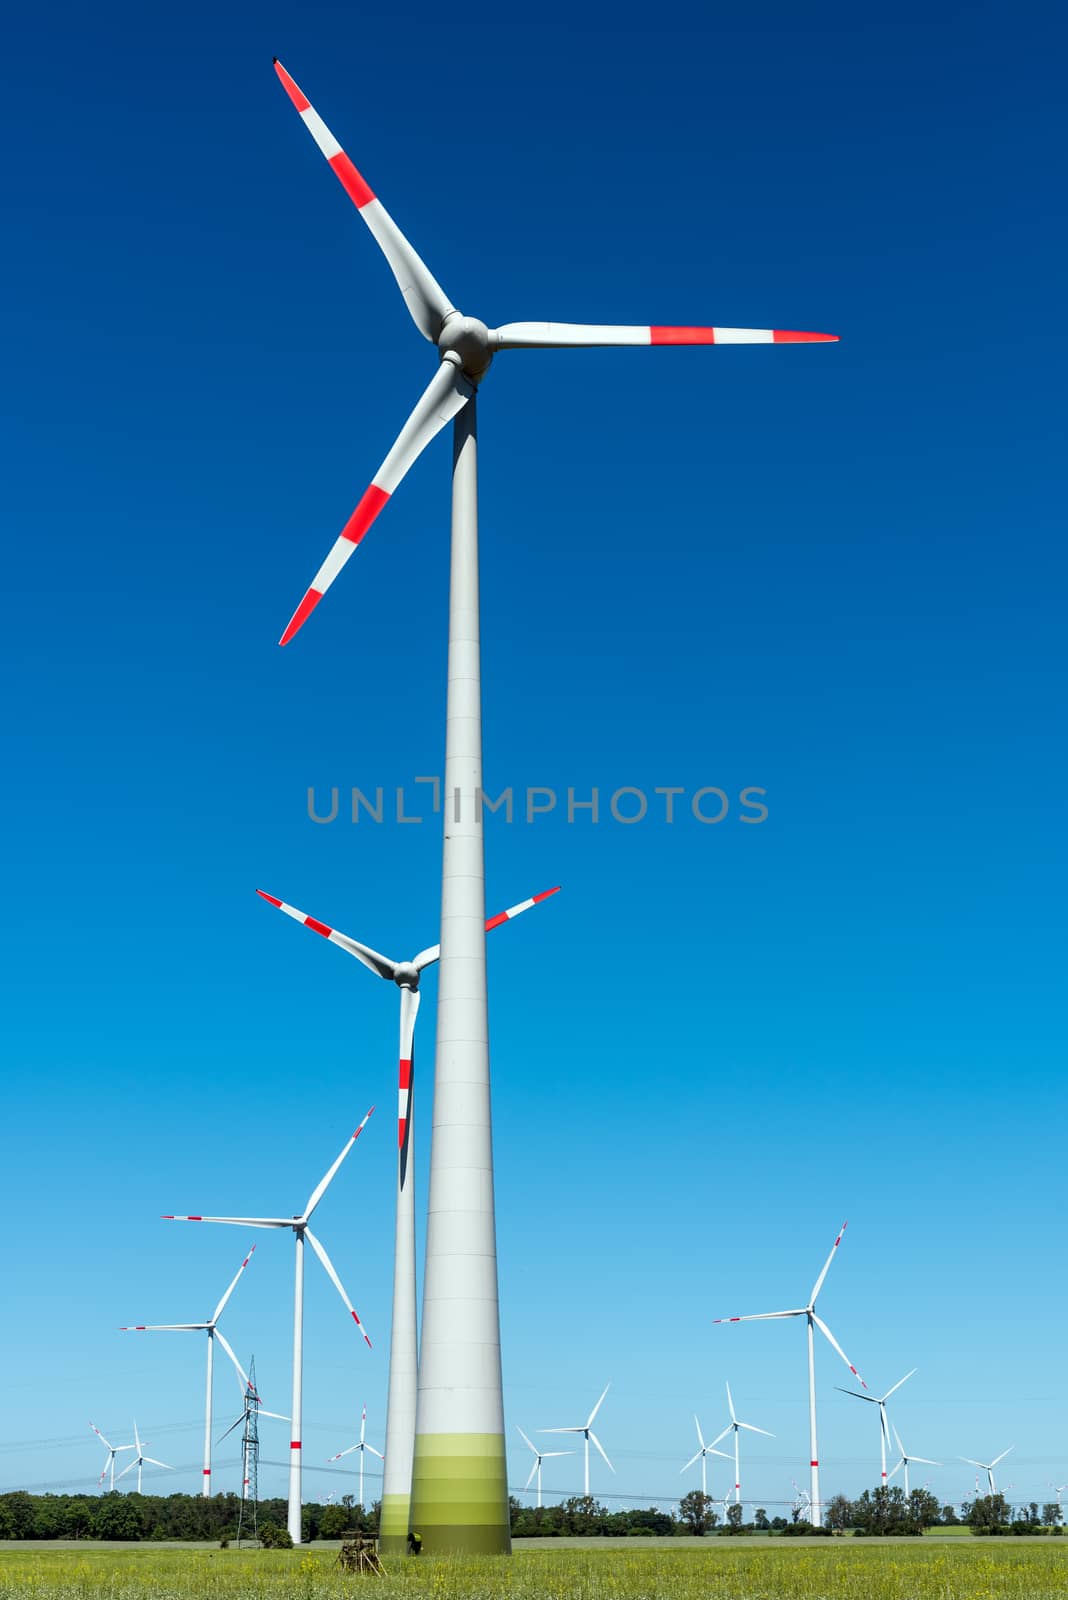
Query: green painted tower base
[(393, 1525), (460, 1493)]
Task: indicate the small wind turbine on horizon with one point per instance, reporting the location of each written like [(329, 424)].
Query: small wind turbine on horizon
[(539, 1457), (735, 1427), (140, 1458), (113, 1450), (987, 1467), (301, 1231), (812, 1320), (362, 1446), (884, 1426), (402, 1392), (588, 1437), (906, 1459), (703, 1452), (211, 1328)]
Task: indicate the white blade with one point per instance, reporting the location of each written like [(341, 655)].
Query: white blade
[(238, 1222), (826, 1265), (597, 1407), (125, 1470), (336, 1281), (219, 1308), (898, 1468), (242, 1376), (343, 1453), (166, 1327), (151, 1460), (709, 1451), (827, 1334), (324, 1182), (1002, 1456), (897, 1441), (426, 958), (379, 964), (525, 1440), (446, 394), (427, 302), (574, 335), (374, 1452), (545, 1454), (692, 1459), (562, 1430), (730, 1403), (856, 1396), (700, 1435), (899, 1382), (533, 1470), (926, 1460), (100, 1436), (230, 1429), (728, 1429), (972, 1463), (598, 1446), (761, 1316), (751, 1429)]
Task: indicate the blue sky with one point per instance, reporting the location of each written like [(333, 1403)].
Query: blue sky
[(835, 573)]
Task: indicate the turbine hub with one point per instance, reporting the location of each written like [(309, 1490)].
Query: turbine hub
[(469, 341), (406, 975)]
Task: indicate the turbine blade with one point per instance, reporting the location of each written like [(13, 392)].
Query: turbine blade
[(561, 1430), (517, 910), (336, 1281), (827, 1334), (165, 1327), (545, 1454), (721, 1453), (327, 1179), (692, 1459), (100, 1436), (761, 1316), (1002, 1456), (597, 1407), (243, 1378), (237, 1222), (447, 393), (730, 1403), (382, 965), (897, 1440), (525, 1440), (598, 1445), (374, 1452), (720, 1436), (575, 335), (530, 1480), (700, 1436), (409, 1010), (927, 1462), (898, 1468), (151, 1460), (826, 1265), (230, 1429), (217, 1313), (427, 302), (751, 1429), (899, 1382), (125, 1470), (342, 1453), (856, 1395)]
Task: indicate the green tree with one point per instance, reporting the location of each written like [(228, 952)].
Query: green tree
[(335, 1521), (839, 1513), (923, 1508), (734, 1519), (760, 1520), (697, 1513), (884, 1511), (117, 1518), (988, 1513), (1051, 1514), (949, 1517)]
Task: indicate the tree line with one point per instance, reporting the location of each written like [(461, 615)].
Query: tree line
[(184, 1516)]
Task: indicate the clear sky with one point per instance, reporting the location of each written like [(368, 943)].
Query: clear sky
[(835, 573)]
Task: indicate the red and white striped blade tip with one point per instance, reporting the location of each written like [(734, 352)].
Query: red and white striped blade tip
[(666, 335)]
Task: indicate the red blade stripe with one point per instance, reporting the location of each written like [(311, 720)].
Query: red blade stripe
[(371, 503), (405, 1074), (301, 615), (318, 927), (785, 336), (358, 191), (682, 335), (495, 922), (298, 97), (268, 897), (545, 893)]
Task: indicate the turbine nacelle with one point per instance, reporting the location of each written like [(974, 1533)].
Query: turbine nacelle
[(407, 975), (469, 343)]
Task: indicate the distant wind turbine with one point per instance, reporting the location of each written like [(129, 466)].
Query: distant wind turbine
[(704, 1451), (539, 1457), (906, 1459), (884, 1426), (812, 1321), (112, 1451), (362, 1446), (140, 1459), (735, 1427), (588, 1437), (987, 1467)]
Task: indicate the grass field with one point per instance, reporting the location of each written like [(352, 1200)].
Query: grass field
[(600, 1570)]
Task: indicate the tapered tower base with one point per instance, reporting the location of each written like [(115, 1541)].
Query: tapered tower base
[(460, 1481), (393, 1524)]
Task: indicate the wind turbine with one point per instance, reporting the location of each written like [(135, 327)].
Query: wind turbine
[(812, 1321), (301, 1231), (884, 1426), (588, 1436), (140, 1458), (112, 1451), (987, 1467), (362, 1446), (212, 1330), (704, 1451), (735, 1427), (906, 1459), (394, 1519), (539, 1457), (459, 1479)]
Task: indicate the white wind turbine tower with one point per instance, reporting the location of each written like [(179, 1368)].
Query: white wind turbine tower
[(812, 1321), (459, 1479), (140, 1458), (113, 1450), (301, 1232), (735, 1427), (394, 1518), (588, 1437), (539, 1457), (987, 1467), (703, 1452), (362, 1446), (906, 1461), (211, 1328), (884, 1426)]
